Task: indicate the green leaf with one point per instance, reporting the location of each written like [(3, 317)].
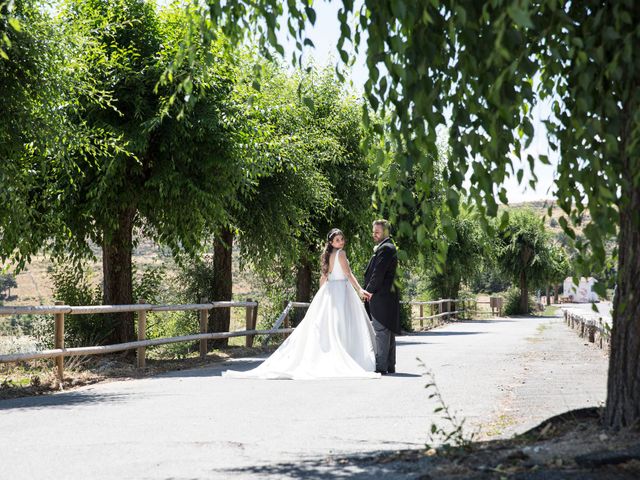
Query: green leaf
[(15, 24), (308, 101), (311, 15), (519, 16)]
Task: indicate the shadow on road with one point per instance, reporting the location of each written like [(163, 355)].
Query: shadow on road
[(65, 400), (437, 333), (497, 320), (352, 467), (216, 370)]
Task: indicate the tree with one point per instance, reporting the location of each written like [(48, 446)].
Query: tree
[(40, 90), (178, 171), (465, 256), (524, 253), (488, 64), (558, 269), (316, 175), (7, 282)]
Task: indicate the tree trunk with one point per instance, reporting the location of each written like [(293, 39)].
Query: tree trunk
[(116, 269), (548, 296), (556, 292), (623, 388), (220, 318), (303, 289), (524, 293)]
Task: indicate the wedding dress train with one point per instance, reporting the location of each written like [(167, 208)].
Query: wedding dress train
[(334, 340)]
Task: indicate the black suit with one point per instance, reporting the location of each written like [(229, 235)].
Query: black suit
[(384, 306)]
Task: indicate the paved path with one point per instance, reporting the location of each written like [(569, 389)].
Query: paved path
[(503, 375), (603, 310)]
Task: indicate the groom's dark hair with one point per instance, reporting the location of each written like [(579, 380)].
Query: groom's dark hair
[(384, 224)]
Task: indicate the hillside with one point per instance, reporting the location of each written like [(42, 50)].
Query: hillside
[(35, 286)]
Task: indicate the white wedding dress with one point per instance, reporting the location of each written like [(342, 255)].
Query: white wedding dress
[(334, 340)]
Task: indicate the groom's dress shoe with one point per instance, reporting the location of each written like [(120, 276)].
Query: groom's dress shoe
[(381, 372), (391, 370)]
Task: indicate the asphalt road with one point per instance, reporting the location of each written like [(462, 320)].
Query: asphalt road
[(503, 376)]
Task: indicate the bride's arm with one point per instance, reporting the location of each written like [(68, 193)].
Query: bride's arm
[(344, 263), (323, 279)]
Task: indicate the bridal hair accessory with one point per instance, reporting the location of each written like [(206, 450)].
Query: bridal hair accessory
[(333, 233)]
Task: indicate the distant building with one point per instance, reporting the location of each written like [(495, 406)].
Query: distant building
[(581, 293)]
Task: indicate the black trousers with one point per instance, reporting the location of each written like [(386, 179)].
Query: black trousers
[(385, 347)]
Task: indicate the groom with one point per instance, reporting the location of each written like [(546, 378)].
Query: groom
[(384, 302)]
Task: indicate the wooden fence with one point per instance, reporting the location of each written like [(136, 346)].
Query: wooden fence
[(439, 310), (59, 312), (595, 330)]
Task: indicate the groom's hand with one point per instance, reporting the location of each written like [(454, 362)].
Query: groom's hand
[(367, 295)]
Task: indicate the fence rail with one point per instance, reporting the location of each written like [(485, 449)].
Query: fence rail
[(447, 309), (59, 311), (595, 330)]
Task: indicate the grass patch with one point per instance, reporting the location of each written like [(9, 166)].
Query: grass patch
[(550, 311)]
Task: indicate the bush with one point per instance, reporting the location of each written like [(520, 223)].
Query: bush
[(173, 324), (512, 302), (73, 285), (405, 317)]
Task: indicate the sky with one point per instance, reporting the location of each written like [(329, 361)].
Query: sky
[(325, 34)]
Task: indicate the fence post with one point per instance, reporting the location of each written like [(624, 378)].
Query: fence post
[(286, 319), (250, 320), (421, 315), (59, 342), (202, 315), (142, 335)]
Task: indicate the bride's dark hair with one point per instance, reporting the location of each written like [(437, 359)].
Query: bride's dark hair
[(328, 249)]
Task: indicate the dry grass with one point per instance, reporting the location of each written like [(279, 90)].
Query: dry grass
[(35, 286)]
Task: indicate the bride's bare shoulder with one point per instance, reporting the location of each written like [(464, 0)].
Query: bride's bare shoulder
[(343, 258)]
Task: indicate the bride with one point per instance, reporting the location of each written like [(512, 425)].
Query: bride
[(335, 339)]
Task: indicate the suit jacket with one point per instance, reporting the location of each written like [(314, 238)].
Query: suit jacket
[(379, 278)]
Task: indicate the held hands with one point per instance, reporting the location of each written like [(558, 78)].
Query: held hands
[(365, 295)]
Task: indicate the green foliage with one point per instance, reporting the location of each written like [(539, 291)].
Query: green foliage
[(74, 284), (452, 434), (527, 256), (150, 284), (405, 316), (178, 172), (465, 256), (314, 174), (7, 282), (41, 89), (512, 302), (195, 279), (489, 64), (524, 248), (490, 280)]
